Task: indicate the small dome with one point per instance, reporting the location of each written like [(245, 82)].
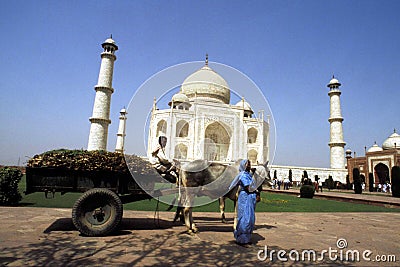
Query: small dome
[(375, 148), (109, 41), (245, 105), (123, 111), (206, 83), (334, 81), (348, 151), (180, 98), (393, 141), (181, 101)]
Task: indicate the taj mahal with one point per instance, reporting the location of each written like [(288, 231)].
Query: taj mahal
[(202, 123)]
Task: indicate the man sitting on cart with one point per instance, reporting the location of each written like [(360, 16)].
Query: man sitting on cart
[(161, 163)]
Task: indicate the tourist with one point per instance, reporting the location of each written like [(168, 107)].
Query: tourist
[(320, 185), (279, 183), (286, 182), (246, 203)]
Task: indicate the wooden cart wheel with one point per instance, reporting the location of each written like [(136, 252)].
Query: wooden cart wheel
[(97, 212)]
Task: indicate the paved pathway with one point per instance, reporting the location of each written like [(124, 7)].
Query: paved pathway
[(46, 237)]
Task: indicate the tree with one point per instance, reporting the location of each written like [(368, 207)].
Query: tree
[(330, 183), (357, 181), (396, 181), (371, 182), (348, 184)]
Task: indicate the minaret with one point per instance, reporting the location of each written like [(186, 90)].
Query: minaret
[(101, 108), (336, 142), (121, 131)]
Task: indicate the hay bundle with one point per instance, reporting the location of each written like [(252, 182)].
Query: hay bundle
[(83, 160)]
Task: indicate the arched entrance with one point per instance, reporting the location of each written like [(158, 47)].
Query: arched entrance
[(182, 129), (161, 128), (181, 151), (381, 173), (252, 135), (252, 156), (362, 177), (216, 143)]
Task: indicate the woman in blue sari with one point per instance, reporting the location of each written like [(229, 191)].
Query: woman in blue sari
[(246, 203)]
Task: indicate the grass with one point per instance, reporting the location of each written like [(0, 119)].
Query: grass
[(270, 202)]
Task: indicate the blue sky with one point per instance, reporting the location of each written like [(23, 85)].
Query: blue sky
[(290, 49)]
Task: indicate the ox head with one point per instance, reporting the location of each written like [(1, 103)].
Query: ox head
[(262, 173)]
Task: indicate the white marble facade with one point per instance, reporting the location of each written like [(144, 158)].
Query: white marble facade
[(202, 124), (282, 172)]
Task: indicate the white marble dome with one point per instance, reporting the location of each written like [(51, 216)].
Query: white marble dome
[(375, 148), (393, 141), (207, 84), (180, 98), (333, 82), (245, 105), (109, 41)]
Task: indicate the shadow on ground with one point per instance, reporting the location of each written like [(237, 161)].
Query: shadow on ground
[(66, 224), (140, 242)]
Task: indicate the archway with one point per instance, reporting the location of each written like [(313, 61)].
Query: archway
[(362, 177), (161, 128), (252, 135), (181, 151), (182, 129), (252, 156), (381, 173), (216, 142)]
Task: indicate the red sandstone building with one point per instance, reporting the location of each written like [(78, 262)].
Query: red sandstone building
[(377, 160)]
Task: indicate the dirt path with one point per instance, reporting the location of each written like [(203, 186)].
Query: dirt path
[(46, 237)]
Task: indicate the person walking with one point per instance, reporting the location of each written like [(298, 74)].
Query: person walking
[(246, 203)]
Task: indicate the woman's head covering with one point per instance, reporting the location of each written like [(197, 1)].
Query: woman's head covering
[(242, 168), (243, 164)]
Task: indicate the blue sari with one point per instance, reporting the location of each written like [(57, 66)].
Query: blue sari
[(245, 206)]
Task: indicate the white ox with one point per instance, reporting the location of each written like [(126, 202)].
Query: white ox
[(200, 178)]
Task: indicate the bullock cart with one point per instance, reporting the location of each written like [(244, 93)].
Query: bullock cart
[(98, 211)]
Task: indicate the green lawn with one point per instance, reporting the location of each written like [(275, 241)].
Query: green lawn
[(270, 202)]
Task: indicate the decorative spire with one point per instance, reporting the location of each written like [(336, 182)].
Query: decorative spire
[(207, 59), (111, 36), (333, 76), (394, 131)]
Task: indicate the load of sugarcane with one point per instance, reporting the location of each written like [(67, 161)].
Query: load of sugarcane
[(83, 160)]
